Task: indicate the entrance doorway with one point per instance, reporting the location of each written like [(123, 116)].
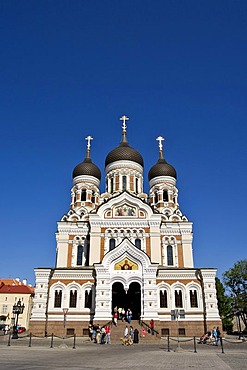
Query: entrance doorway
[(130, 300)]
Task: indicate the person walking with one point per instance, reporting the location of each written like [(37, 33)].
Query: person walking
[(152, 326), (126, 332), (218, 335), (136, 336), (108, 334)]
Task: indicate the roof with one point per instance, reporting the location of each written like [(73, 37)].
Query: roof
[(17, 289)]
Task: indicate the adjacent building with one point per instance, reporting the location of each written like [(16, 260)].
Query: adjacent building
[(11, 291)]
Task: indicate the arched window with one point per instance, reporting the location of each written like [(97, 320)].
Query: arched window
[(79, 255), (169, 255), (112, 244), (178, 298), (138, 243), (93, 197), (83, 195), (165, 196), (58, 298), (163, 299), (136, 185), (193, 299), (88, 299), (124, 182), (111, 189), (72, 298), (156, 198)]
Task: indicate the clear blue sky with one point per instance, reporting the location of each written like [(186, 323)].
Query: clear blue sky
[(72, 68)]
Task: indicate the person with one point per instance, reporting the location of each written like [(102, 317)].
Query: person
[(123, 314), (214, 335), (6, 329), (129, 315), (126, 332), (143, 333), (108, 334), (115, 318), (136, 336), (152, 326), (103, 334), (131, 332), (98, 334), (218, 334), (120, 313), (90, 331)]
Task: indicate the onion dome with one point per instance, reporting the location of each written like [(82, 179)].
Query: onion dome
[(161, 168), (87, 167), (124, 152)]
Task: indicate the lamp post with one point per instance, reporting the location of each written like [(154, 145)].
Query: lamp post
[(65, 311), (18, 309), (175, 314)]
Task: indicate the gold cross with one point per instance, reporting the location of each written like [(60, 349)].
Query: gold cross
[(160, 139), (88, 138), (124, 119)]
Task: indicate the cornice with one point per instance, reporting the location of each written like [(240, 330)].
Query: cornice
[(86, 178), (123, 164), (162, 180)]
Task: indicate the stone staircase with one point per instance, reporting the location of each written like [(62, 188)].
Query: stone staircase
[(117, 332)]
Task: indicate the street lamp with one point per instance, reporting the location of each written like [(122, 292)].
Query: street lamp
[(65, 311), (18, 309), (175, 314)]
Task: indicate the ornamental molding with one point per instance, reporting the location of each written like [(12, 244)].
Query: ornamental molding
[(123, 164), (176, 275), (162, 180), (86, 178), (73, 275), (119, 223), (171, 231)]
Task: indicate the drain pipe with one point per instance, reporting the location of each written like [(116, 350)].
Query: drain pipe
[(200, 278)]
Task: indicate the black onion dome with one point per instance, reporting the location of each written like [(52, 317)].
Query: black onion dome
[(87, 167), (162, 168), (124, 152)]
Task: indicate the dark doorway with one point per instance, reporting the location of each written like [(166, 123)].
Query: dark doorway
[(130, 300)]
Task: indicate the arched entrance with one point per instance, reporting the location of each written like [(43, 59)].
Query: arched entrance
[(130, 300)]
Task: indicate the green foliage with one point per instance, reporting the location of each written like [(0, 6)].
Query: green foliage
[(224, 306), (235, 279)]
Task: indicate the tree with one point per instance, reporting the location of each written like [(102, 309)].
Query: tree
[(224, 306), (235, 279)]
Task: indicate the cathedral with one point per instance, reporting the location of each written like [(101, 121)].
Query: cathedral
[(124, 248)]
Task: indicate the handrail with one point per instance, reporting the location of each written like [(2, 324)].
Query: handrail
[(141, 322)]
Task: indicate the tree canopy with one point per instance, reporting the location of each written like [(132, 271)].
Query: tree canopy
[(235, 279)]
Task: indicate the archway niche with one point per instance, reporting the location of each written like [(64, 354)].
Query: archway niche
[(131, 299)]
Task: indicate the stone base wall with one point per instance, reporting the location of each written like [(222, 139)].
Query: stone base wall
[(79, 328)]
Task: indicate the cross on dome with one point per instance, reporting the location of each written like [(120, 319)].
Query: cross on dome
[(160, 139), (124, 119), (88, 138)]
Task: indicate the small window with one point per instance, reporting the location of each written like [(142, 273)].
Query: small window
[(88, 299), (93, 197), (58, 299), (79, 255), (124, 182), (169, 255), (111, 189), (193, 299), (83, 195), (163, 299), (136, 185), (181, 331), (70, 331), (112, 244), (165, 331), (165, 196), (156, 198), (178, 298), (72, 298), (138, 243)]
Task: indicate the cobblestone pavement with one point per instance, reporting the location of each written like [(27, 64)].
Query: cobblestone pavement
[(89, 356)]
